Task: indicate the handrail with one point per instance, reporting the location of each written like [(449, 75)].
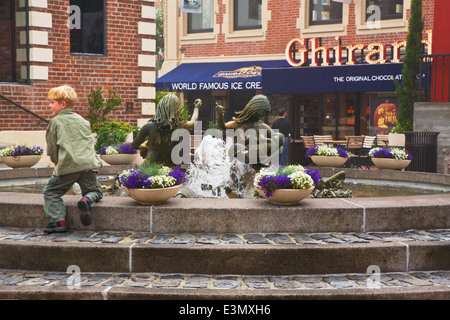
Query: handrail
[(435, 74), (23, 108)]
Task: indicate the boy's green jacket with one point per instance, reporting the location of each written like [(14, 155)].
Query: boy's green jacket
[(70, 145)]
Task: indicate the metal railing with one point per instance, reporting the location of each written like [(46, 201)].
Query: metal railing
[(435, 83), (23, 108)]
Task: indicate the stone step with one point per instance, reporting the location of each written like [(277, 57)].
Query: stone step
[(18, 284), (251, 254), (179, 215)]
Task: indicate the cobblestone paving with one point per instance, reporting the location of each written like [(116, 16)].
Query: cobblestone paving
[(235, 282), (183, 281), (111, 237)]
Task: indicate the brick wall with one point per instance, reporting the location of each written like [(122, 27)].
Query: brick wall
[(119, 69), (282, 27)]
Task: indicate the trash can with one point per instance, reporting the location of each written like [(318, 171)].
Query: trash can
[(423, 149)]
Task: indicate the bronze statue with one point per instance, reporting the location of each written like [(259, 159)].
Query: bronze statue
[(250, 118), (158, 131)]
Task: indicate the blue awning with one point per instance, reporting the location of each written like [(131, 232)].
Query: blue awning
[(242, 75), (323, 79)]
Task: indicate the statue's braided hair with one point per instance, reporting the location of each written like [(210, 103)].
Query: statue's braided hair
[(167, 114)]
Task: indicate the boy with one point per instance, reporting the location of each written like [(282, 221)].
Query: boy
[(70, 147)]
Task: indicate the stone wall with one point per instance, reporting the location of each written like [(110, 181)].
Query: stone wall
[(434, 117)]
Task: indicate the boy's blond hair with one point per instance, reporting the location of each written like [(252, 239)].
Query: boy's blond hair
[(63, 93)]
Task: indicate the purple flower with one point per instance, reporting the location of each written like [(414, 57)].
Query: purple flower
[(312, 150), (382, 153), (315, 175), (26, 151), (342, 153), (271, 183), (126, 148), (179, 175), (120, 148)]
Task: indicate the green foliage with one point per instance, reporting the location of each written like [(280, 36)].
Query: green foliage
[(407, 92), (99, 108), (152, 169), (159, 37), (110, 133)]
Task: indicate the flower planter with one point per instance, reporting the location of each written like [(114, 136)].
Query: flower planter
[(153, 196), (21, 161), (119, 159), (328, 161), (287, 197), (392, 164)]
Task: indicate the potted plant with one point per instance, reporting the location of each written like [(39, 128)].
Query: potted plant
[(325, 156), (284, 185), (118, 154), (390, 158), (152, 183), (21, 156)]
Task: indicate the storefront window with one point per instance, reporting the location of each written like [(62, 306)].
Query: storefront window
[(383, 113), (306, 116), (247, 14), (202, 22), (87, 27), (385, 9), (324, 12), (329, 115), (12, 68)]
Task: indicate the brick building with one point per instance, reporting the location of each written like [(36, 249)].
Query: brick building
[(85, 44), (329, 63)]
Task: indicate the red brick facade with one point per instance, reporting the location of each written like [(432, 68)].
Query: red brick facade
[(282, 27), (118, 69)]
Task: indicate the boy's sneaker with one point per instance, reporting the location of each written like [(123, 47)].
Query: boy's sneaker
[(85, 205), (59, 226)]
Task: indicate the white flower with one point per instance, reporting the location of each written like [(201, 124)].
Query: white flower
[(111, 150), (301, 180), (399, 154), (6, 151), (162, 181), (324, 150), (164, 171)]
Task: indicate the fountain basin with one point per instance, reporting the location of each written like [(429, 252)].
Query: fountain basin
[(205, 215)]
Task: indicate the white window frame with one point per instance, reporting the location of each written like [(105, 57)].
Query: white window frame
[(384, 26)]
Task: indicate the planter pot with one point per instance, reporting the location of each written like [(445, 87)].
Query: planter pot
[(392, 164), (287, 197), (396, 139), (118, 159), (328, 161), (21, 161), (153, 196)]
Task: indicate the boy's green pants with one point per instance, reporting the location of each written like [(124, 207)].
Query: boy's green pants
[(54, 205)]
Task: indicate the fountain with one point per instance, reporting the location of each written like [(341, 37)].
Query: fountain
[(214, 174)]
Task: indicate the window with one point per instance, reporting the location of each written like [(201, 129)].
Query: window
[(13, 64), (247, 14), (386, 9), (87, 27), (202, 22), (324, 12)]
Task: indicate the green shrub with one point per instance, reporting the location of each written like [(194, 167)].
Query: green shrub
[(113, 132), (99, 107)]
